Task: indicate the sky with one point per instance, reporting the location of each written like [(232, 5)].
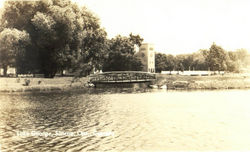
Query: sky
[(177, 26)]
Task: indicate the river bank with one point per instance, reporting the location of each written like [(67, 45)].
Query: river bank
[(171, 82), (226, 81), (41, 84)]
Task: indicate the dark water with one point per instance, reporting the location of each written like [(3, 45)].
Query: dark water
[(124, 119)]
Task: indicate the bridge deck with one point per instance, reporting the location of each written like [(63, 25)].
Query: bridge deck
[(122, 77), (125, 81)]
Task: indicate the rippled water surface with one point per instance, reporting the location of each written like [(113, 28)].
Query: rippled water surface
[(125, 120)]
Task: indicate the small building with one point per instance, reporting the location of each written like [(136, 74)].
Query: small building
[(147, 56)]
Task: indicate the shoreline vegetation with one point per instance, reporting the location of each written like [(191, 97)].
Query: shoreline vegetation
[(226, 81), (163, 81)]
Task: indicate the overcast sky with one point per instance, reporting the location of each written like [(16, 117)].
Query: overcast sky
[(177, 26)]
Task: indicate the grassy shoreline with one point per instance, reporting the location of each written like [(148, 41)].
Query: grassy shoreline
[(227, 81), (173, 82), (41, 84)]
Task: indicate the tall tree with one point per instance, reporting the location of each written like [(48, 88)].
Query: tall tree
[(160, 62), (171, 62), (199, 60), (164, 62), (185, 60), (121, 56), (136, 39), (12, 47), (233, 63), (217, 58), (94, 46)]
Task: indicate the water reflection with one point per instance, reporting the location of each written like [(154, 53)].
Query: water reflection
[(136, 120)]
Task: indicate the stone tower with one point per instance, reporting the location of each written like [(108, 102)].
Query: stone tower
[(147, 55)]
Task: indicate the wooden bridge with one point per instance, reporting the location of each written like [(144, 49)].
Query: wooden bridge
[(122, 77)]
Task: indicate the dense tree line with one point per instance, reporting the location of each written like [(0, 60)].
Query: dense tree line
[(214, 59), (49, 36)]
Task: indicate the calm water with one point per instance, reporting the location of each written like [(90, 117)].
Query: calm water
[(125, 120)]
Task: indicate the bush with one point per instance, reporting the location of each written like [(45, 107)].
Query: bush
[(26, 82)]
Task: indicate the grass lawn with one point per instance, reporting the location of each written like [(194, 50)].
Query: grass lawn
[(40, 84)]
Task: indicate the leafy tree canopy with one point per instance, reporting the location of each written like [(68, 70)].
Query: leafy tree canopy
[(61, 33), (12, 47), (217, 58), (121, 55), (164, 62)]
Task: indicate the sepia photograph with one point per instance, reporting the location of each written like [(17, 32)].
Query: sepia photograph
[(124, 75)]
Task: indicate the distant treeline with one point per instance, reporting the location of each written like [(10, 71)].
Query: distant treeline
[(50, 36), (214, 59)]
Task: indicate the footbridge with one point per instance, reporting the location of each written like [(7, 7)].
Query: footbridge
[(116, 77)]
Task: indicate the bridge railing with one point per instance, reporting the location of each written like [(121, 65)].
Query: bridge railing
[(122, 76)]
